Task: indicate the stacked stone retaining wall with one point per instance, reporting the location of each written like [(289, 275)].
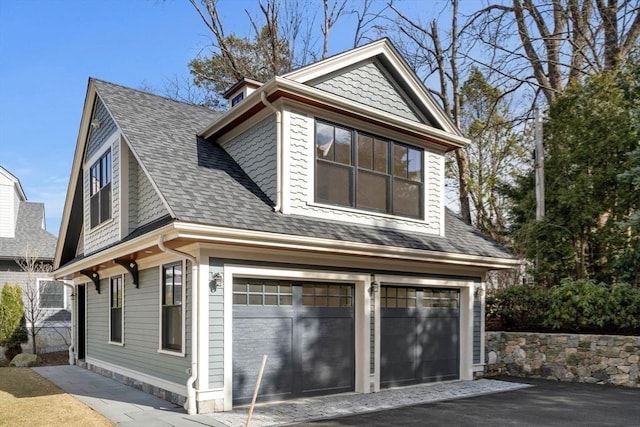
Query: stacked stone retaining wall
[(601, 359)]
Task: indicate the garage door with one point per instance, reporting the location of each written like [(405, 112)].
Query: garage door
[(419, 339), (307, 331)]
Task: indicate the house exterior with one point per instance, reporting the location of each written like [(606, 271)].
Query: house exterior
[(23, 236), (307, 223)]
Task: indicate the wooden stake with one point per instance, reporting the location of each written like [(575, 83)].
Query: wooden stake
[(255, 392)]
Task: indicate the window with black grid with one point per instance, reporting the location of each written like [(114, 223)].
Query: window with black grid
[(440, 298), (394, 297), (261, 292), (326, 295)]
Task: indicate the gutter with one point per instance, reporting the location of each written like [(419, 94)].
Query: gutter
[(263, 98), (190, 405)]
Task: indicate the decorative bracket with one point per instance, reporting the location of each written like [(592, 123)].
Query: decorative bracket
[(94, 276), (132, 267)]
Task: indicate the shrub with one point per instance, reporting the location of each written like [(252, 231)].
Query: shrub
[(578, 306), (519, 307), (626, 303), (13, 331)]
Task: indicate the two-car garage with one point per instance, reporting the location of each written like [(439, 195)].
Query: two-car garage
[(307, 329)]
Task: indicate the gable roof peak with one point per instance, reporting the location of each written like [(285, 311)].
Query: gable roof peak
[(16, 181), (99, 82)]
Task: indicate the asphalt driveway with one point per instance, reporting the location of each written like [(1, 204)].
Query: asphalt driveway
[(547, 403)]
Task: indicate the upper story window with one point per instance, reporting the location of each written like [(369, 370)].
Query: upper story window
[(51, 294), (100, 189), (236, 99), (355, 169)]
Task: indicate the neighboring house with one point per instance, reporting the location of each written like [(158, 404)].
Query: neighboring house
[(23, 237), (306, 223)]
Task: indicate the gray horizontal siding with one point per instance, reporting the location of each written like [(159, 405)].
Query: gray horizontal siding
[(216, 330), (477, 328), (141, 329)]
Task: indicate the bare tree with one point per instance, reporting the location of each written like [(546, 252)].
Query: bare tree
[(548, 43), (367, 18), (332, 13), (37, 295), (438, 53)]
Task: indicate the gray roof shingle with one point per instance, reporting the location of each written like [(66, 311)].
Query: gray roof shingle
[(203, 184), (29, 235)]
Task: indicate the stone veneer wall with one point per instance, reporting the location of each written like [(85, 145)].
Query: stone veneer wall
[(601, 359), (140, 385)]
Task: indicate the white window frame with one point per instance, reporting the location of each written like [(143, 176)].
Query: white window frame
[(182, 352), (107, 146), (64, 294), (121, 342)]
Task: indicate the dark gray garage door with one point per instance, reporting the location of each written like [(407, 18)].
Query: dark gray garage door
[(419, 339), (307, 331)]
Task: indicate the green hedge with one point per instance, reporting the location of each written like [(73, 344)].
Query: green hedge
[(579, 306)]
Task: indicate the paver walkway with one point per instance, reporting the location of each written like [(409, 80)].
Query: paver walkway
[(131, 407)]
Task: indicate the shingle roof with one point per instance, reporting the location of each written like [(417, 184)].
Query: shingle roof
[(29, 235), (203, 184)]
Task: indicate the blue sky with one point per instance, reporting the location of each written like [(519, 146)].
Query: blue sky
[(49, 49)]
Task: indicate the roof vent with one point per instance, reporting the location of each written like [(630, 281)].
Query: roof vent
[(239, 91)]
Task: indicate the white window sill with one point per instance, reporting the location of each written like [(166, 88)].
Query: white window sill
[(171, 353), (102, 224), (117, 344), (373, 214)]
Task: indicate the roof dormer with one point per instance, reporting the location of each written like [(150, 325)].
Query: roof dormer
[(239, 91)]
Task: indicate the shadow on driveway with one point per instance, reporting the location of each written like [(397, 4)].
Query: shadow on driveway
[(547, 403)]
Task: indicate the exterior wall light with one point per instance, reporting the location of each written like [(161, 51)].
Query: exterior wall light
[(375, 286), (215, 281)]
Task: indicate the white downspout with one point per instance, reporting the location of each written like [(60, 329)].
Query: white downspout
[(191, 396), (278, 205), (72, 358)]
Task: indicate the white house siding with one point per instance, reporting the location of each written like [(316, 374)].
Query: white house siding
[(7, 221), (140, 330), (368, 85), (434, 189), (49, 338), (216, 333), (301, 189), (255, 151), (9, 203), (109, 232)]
